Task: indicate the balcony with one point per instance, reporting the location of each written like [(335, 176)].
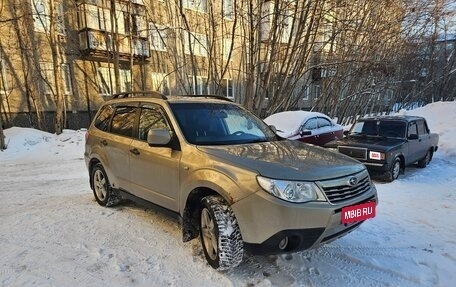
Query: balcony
[(101, 22), (100, 43)]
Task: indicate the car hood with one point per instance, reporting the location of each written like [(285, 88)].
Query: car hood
[(289, 160), (372, 143)]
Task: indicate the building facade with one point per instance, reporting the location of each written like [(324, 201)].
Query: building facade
[(264, 54)]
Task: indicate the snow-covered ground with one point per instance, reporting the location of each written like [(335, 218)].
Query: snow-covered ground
[(53, 233)]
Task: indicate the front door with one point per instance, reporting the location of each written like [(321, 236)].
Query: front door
[(414, 143), (154, 171)]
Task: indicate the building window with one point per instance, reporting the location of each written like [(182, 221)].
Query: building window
[(107, 81), (287, 23), (317, 92), (41, 17), (227, 9), (200, 87), (227, 88), (226, 49), (60, 22), (197, 42), (307, 92), (139, 25), (67, 84), (160, 83), (158, 37), (197, 5), (94, 17), (47, 78), (4, 87)]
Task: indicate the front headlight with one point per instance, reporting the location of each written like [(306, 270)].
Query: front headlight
[(293, 191)]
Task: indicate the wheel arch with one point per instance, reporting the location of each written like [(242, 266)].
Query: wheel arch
[(92, 163), (190, 213)]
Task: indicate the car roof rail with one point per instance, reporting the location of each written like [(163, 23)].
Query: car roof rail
[(210, 97), (139, 94)]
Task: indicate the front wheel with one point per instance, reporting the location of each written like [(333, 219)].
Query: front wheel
[(394, 171), (220, 234)]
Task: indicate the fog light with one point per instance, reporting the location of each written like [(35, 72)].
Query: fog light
[(283, 243)]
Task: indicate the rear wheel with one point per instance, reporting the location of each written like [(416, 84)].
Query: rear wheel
[(422, 163), (394, 171), (220, 235), (101, 188)]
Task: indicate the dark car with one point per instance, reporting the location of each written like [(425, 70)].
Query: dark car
[(388, 144), (310, 127)]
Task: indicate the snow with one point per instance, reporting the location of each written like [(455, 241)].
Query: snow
[(53, 233)]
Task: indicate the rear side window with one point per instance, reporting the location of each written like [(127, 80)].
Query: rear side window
[(422, 128), (322, 122), (123, 121), (103, 118)]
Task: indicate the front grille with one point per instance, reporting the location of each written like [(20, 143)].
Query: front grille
[(354, 152), (343, 189)]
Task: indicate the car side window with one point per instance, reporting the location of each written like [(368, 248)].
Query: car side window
[(151, 118), (322, 122), (413, 129), (311, 124), (123, 121), (422, 129), (104, 117)]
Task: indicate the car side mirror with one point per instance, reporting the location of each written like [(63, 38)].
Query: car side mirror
[(346, 133), (413, 137), (305, 133), (158, 137)]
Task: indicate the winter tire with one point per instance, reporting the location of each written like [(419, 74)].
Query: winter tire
[(101, 188), (394, 171), (422, 163), (220, 235)]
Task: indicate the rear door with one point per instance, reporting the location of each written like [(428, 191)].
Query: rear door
[(154, 171), (425, 139), (116, 145), (325, 131)]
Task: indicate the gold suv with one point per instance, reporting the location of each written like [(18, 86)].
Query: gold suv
[(225, 173)]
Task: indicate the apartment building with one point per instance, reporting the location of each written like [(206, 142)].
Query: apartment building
[(85, 51)]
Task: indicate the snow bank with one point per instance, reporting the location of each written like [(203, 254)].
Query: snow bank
[(25, 144), (441, 118)]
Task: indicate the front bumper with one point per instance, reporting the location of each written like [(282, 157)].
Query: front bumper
[(265, 221)]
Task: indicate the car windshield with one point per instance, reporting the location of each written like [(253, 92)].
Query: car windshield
[(383, 128), (220, 124)]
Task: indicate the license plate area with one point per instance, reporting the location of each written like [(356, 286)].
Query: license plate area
[(359, 212)]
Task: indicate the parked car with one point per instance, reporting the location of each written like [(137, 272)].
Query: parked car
[(388, 144), (310, 127), (226, 175)]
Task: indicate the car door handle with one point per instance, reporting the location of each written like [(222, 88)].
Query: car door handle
[(135, 151), (104, 142)]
